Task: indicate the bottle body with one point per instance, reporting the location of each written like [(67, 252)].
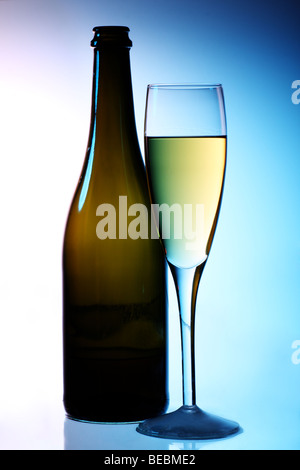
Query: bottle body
[(114, 289)]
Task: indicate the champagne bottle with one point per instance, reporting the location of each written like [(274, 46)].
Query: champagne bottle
[(114, 284)]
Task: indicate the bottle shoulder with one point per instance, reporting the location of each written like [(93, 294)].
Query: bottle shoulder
[(109, 173)]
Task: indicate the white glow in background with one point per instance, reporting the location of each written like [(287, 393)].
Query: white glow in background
[(248, 313)]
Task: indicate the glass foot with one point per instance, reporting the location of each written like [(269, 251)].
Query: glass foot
[(188, 422)]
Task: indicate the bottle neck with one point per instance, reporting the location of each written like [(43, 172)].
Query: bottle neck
[(113, 149), (113, 106)]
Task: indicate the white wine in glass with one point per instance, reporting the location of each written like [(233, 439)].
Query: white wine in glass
[(185, 146)]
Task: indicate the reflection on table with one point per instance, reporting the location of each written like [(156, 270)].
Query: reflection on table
[(93, 436)]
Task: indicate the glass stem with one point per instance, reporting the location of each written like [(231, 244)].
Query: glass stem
[(186, 284)]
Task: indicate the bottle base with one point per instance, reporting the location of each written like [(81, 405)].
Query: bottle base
[(91, 421), (112, 412)]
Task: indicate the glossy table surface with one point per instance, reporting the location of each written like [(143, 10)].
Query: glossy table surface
[(43, 426)]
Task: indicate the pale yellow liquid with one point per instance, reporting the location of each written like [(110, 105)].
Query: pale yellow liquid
[(187, 171)]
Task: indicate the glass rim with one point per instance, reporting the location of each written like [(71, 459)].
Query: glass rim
[(185, 86)]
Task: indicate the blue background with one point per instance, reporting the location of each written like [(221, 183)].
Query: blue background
[(248, 308)]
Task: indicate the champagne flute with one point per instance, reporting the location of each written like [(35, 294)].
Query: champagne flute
[(185, 143)]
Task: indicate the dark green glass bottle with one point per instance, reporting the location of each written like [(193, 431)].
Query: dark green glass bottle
[(114, 288)]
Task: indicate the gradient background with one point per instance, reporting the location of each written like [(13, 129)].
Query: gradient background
[(249, 308)]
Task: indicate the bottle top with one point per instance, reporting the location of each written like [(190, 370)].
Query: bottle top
[(111, 36)]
